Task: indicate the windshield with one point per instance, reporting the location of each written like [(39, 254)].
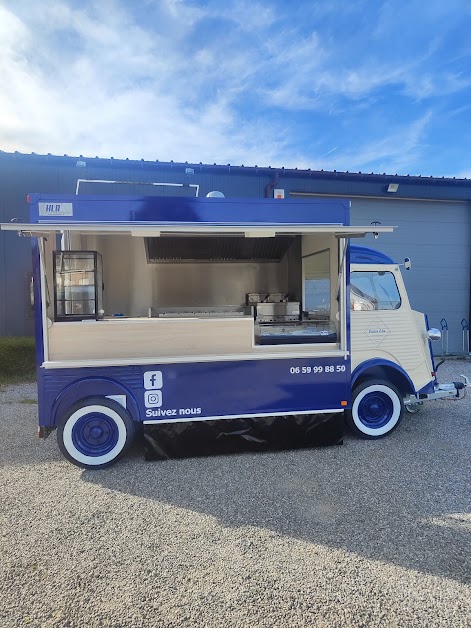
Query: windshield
[(374, 290)]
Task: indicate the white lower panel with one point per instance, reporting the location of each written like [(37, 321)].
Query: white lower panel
[(240, 416)]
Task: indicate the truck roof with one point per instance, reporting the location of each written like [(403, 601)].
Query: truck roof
[(365, 255)]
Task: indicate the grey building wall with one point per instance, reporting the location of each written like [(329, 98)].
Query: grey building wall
[(434, 232)]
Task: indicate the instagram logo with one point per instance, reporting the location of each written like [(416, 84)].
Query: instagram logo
[(153, 398), (152, 383)]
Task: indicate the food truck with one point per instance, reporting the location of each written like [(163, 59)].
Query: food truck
[(162, 310)]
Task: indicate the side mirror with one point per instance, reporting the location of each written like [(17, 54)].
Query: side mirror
[(407, 263), (434, 334)]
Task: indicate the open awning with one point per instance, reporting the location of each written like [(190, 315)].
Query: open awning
[(258, 230)]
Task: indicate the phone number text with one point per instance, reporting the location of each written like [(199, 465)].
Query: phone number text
[(301, 370)]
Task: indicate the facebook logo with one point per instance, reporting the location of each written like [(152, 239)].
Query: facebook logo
[(152, 380)]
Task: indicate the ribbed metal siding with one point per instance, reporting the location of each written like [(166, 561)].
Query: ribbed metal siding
[(15, 252), (437, 238), (3, 274)]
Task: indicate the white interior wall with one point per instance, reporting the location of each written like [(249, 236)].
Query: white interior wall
[(126, 275), (215, 283), (315, 243)]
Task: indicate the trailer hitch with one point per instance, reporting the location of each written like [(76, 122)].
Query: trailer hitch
[(449, 391), (462, 386)]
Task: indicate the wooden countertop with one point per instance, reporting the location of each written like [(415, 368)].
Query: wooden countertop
[(121, 337)]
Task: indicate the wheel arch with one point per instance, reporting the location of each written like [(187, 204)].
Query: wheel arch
[(385, 370), (88, 387)]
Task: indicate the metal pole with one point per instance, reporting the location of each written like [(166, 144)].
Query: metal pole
[(444, 326), (465, 328)]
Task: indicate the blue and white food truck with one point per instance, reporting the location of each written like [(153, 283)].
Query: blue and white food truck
[(162, 310)]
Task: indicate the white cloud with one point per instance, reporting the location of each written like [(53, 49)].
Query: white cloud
[(212, 82), (120, 93), (391, 152)]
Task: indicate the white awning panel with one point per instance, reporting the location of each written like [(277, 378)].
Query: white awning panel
[(157, 229)]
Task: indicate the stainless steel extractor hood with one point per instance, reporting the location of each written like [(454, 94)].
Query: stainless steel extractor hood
[(217, 249)]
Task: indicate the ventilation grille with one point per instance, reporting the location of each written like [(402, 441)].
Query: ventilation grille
[(221, 249)]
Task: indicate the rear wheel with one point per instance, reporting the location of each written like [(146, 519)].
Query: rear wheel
[(95, 432), (377, 409)]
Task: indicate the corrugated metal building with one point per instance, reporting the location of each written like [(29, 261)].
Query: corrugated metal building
[(433, 216)]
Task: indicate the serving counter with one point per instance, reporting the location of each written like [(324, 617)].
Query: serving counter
[(136, 338)]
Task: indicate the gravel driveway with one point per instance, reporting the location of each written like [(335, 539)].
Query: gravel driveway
[(368, 534)]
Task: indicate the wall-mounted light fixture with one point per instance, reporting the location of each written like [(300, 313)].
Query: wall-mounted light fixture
[(375, 233), (393, 187)]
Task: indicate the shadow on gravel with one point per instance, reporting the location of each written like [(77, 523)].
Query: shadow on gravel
[(401, 500), (397, 500)]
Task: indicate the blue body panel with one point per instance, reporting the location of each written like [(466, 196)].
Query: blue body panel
[(178, 210), (199, 390), (375, 368)]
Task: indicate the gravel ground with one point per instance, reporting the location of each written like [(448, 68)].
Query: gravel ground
[(368, 534)]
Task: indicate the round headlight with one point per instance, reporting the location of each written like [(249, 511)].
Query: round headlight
[(434, 334)]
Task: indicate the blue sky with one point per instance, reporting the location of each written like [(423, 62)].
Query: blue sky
[(359, 85)]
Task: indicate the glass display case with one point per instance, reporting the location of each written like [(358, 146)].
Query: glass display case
[(302, 332), (78, 285)]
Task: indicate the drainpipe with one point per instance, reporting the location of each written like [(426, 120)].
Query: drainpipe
[(271, 185)]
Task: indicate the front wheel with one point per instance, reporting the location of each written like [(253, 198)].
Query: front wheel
[(95, 432), (377, 408)]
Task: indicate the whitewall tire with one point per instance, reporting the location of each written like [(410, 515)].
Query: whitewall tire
[(95, 432), (377, 409)]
